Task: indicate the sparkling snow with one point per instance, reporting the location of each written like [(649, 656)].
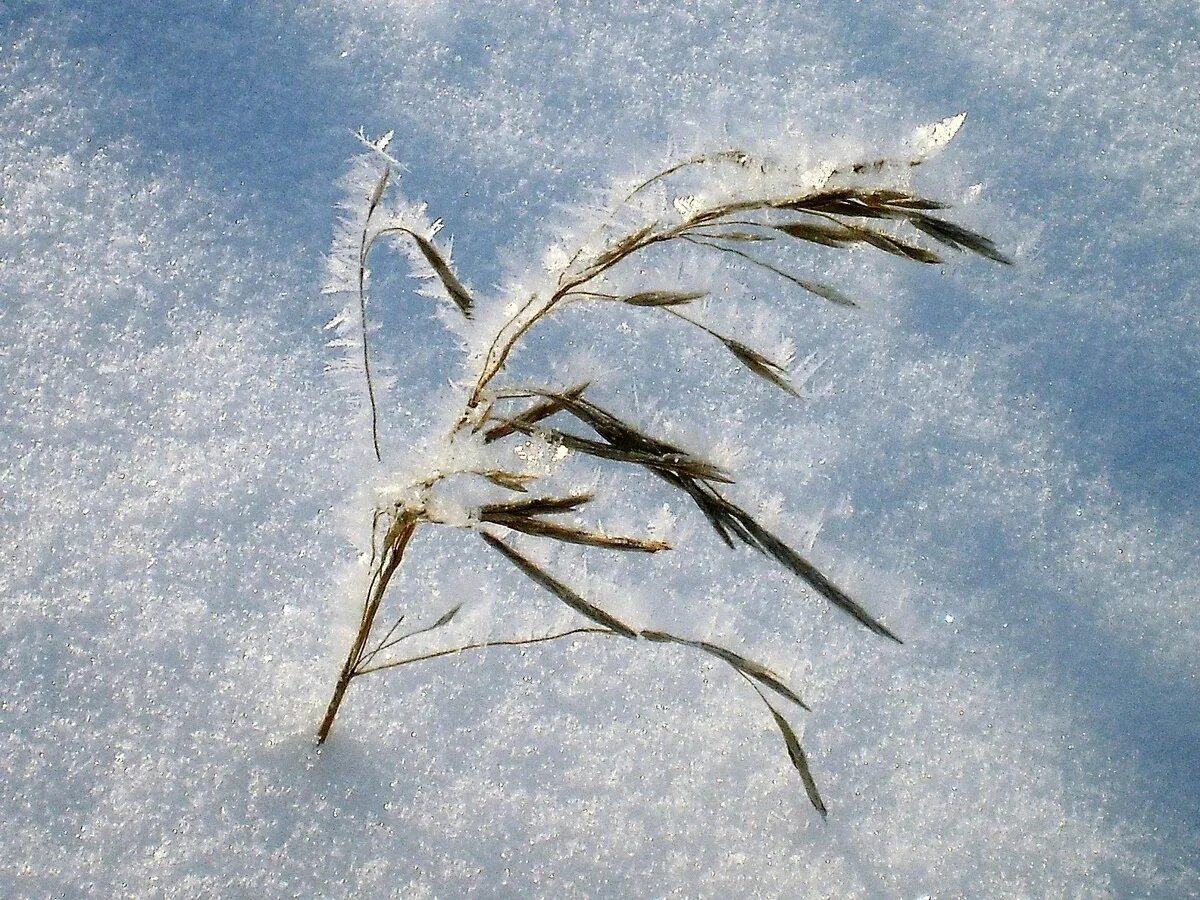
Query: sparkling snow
[(1000, 462)]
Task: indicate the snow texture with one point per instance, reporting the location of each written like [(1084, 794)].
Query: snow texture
[(1000, 462)]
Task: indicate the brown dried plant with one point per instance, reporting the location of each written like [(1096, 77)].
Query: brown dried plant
[(865, 204)]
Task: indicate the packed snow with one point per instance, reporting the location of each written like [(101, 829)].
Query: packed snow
[(999, 462)]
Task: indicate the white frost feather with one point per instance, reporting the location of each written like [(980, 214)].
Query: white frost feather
[(930, 140)]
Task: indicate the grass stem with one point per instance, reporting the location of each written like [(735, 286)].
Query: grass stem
[(394, 544)]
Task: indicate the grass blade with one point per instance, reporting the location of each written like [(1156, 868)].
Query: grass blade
[(838, 202), (833, 295), (900, 200), (753, 360), (760, 365), (549, 583), (812, 287), (377, 192), (536, 506), (747, 667), (543, 409), (730, 520), (693, 489), (959, 238), (623, 247), (810, 574), (741, 157), (826, 235), (513, 481), (541, 528), (755, 670), (449, 280), (889, 244), (484, 645), (675, 463), (387, 642), (740, 236), (645, 450), (799, 760), (663, 298), (445, 619)]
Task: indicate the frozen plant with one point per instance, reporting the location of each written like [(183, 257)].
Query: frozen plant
[(736, 204)]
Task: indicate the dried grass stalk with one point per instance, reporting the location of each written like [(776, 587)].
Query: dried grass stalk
[(545, 580), (453, 286), (849, 208)]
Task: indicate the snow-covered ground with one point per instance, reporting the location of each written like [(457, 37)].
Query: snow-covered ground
[(1000, 462)]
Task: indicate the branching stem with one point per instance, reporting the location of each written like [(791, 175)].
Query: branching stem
[(394, 544), (581, 279), (483, 645)]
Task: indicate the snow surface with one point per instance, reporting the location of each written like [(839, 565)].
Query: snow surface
[(1001, 463)]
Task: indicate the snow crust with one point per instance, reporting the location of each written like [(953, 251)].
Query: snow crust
[(1001, 464)]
